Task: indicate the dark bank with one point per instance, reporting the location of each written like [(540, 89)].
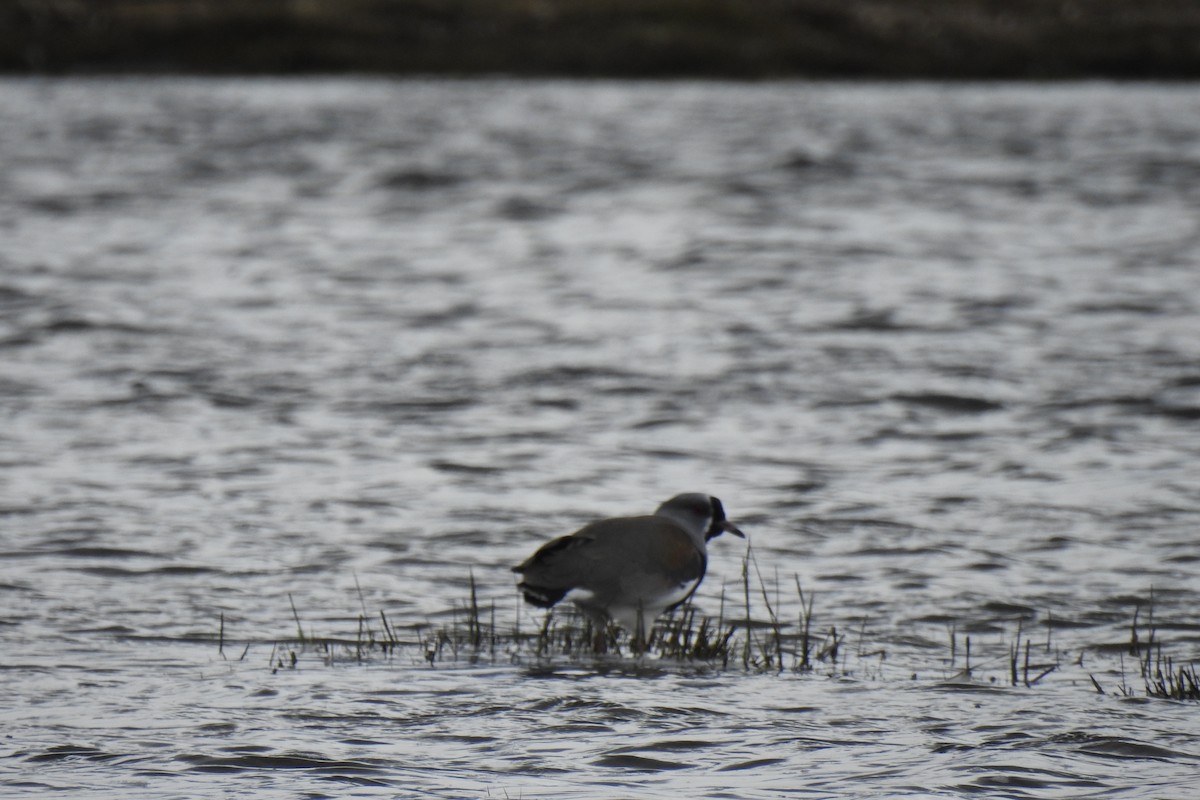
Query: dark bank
[(965, 39)]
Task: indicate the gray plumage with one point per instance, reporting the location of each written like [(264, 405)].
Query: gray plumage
[(628, 569)]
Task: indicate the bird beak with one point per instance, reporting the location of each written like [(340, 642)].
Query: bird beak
[(729, 527)]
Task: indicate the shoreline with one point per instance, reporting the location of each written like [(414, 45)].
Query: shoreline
[(970, 40)]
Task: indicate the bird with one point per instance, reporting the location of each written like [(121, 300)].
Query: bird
[(628, 570)]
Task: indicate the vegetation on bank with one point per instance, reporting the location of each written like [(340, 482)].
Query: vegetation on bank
[(963, 39)]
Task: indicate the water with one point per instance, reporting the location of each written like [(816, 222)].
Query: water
[(349, 340)]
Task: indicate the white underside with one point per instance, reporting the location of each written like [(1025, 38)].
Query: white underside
[(627, 614), (580, 597)]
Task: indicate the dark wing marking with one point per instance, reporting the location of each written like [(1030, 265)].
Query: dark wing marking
[(541, 596), (548, 550), (540, 586)]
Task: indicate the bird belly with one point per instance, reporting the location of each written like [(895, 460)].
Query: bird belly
[(651, 606), (580, 596)]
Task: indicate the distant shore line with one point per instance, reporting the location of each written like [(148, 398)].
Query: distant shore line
[(749, 39)]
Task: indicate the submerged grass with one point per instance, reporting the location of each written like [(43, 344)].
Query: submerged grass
[(1161, 675), (753, 636), (1025, 671)]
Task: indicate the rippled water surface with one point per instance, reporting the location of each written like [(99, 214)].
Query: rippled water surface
[(936, 349)]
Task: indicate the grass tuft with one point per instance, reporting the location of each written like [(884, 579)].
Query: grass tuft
[(753, 638)]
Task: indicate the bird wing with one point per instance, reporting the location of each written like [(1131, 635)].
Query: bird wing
[(611, 551)]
